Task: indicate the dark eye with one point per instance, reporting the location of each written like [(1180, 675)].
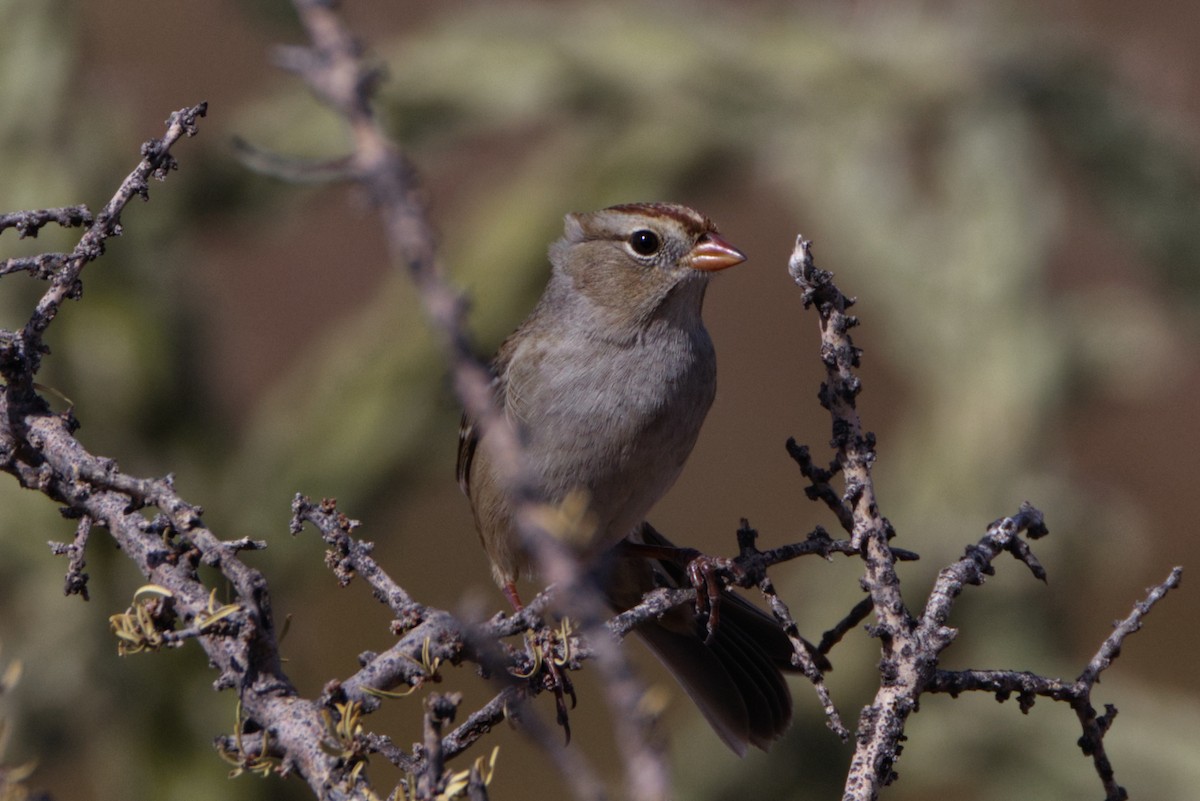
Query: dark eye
[(644, 242)]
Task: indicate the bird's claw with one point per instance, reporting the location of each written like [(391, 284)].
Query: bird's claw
[(704, 574), (550, 653), (559, 683)]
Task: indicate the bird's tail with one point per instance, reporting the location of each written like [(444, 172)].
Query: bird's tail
[(736, 680)]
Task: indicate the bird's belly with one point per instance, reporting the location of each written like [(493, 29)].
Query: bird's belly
[(619, 435)]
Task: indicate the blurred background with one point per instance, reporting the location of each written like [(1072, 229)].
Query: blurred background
[(1012, 191)]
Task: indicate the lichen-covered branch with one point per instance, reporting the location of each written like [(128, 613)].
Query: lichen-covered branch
[(27, 224), (911, 645)]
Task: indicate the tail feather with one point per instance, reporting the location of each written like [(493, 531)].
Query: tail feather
[(737, 681), (732, 698)]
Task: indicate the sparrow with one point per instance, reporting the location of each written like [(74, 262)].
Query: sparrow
[(607, 383)]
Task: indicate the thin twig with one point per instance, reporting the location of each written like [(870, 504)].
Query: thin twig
[(349, 557), (28, 223), (156, 162), (76, 552), (855, 616)]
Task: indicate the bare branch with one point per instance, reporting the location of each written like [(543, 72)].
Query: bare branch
[(41, 266), (76, 581), (39, 449), (801, 657), (977, 563), (819, 487), (20, 356), (833, 636), (28, 223), (911, 646), (1095, 727), (1112, 645), (349, 557), (881, 725)]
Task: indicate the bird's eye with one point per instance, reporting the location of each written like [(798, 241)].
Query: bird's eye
[(644, 242)]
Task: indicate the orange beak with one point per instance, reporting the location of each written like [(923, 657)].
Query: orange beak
[(714, 253)]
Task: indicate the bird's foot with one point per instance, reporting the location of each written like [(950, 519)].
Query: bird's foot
[(708, 575), (550, 653), (704, 573)]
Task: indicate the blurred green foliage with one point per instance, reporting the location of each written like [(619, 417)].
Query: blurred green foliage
[(934, 153)]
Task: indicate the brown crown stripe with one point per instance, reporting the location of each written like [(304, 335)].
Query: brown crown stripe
[(691, 219)]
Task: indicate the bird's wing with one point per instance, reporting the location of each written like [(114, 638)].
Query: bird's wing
[(468, 441), (468, 432)]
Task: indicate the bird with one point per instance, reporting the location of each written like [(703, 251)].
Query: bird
[(607, 383)]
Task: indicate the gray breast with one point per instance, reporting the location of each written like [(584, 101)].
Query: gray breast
[(619, 428)]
